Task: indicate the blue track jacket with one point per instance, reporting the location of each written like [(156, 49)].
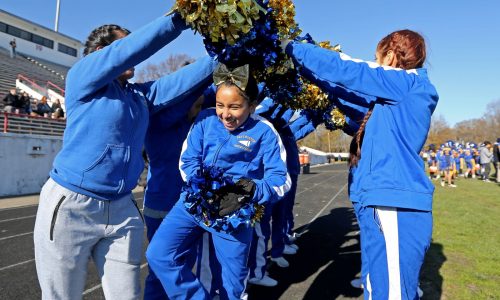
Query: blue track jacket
[(254, 150), (279, 116), (106, 123), (390, 172)]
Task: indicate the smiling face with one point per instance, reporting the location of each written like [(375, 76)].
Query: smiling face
[(231, 107)]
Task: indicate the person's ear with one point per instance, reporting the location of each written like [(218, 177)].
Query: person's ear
[(390, 59)]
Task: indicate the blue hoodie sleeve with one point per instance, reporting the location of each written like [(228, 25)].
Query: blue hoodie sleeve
[(351, 126), (276, 113), (168, 117), (265, 107), (303, 131), (354, 112), (329, 68), (276, 181), (175, 87), (101, 67)]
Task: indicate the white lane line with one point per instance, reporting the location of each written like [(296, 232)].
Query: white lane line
[(18, 264), (88, 291), (19, 207), (323, 209), (13, 236), (15, 219), (315, 185), (300, 180)]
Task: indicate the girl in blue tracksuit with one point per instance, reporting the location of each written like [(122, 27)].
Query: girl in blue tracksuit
[(391, 188), (86, 207), (244, 146)]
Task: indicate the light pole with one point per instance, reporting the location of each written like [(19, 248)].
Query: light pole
[(56, 25), (329, 148)]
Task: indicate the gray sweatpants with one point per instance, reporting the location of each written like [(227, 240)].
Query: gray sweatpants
[(71, 228)]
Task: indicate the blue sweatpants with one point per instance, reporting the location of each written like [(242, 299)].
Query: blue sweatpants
[(288, 203), (393, 246), (168, 251), (364, 264), (208, 269), (153, 290)]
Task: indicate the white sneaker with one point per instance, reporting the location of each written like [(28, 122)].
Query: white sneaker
[(442, 183), (265, 281), (294, 246), (357, 283), (452, 185), (289, 250), (292, 238), (281, 262), (420, 292)]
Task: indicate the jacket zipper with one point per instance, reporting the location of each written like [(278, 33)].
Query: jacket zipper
[(219, 148), (54, 217)]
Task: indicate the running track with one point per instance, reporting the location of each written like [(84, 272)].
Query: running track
[(327, 261)]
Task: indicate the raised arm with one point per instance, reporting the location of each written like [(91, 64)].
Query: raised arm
[(180, 85), (329, 68), (101, 67)]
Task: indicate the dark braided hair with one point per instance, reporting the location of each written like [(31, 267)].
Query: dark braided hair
[(409, 50), (103, 36)]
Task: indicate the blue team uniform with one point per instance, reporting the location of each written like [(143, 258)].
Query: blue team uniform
[(254, 150), (403, 105)]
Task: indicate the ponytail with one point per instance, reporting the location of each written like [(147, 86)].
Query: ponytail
[(357, 140)]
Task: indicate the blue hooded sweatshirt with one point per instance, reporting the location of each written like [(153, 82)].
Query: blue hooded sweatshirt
[(166, 133), (106, 123), (390, 172), (254, 150)]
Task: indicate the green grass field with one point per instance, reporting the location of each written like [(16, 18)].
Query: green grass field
[(463, 261)]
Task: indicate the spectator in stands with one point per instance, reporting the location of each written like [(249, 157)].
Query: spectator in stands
[(26, 102), (33, 107), (43, 108), (12, 102), (86, 207), (57, 111), (13, 46)]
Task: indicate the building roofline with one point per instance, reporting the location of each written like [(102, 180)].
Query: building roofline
[(41, 26)]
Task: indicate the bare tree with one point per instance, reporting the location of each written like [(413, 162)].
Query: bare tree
[(170, 65), (440, 131), (327, 141)]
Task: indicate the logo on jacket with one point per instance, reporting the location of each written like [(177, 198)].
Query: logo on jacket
[(244, 142)]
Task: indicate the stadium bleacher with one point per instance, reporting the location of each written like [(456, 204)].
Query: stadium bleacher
[(35, 69)]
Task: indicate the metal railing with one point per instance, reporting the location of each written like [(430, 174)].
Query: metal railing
[(51, 84), (26, 124)]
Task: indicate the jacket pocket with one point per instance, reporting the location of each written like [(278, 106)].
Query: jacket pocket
[(137, 207), (54, 217), (105, 174)]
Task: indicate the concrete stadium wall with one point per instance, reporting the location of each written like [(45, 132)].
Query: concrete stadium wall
[(25, 162)]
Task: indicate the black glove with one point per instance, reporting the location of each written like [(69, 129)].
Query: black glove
[(235, 196)]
